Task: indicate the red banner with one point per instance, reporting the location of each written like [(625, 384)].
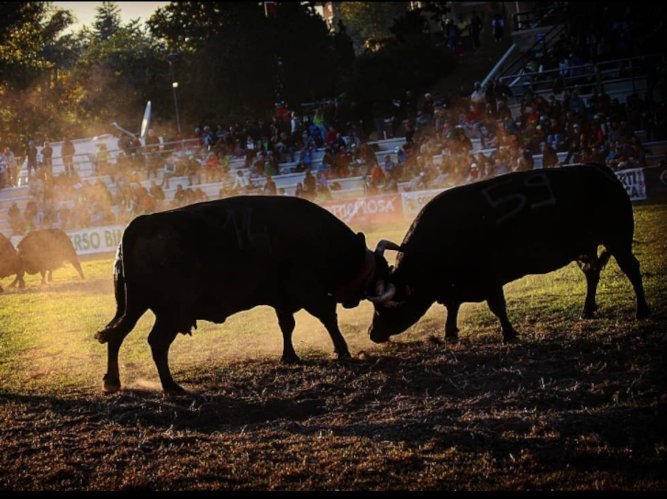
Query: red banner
[(364, 211)]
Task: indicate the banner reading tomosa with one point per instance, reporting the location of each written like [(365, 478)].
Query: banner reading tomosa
[(363, 211)]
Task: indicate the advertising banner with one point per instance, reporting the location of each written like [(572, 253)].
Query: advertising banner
[(634, 183), (413, 202), (361, 211)]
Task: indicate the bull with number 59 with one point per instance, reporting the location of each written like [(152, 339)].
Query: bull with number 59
[(469, 241)]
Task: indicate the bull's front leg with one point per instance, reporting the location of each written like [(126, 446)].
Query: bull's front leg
[(160, 339), (286, 322), (325, 311), (451, 329), (496, 302)]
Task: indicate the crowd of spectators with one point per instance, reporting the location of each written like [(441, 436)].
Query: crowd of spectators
[(439, 131)]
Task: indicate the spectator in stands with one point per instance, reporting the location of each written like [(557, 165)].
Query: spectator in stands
[(476, 26), (269, 186), (102, 160), (389, 166), (323, 193), (465, 34), (16, 220), (47, 158), (199, 195), (241, 183), (31, 157), (377, 179), (270, 165), (298, 191), (309, 185), (3, 171), (549, 155), (157, 192), (498, 27), (451, 33), (179, 196), (418, 182), (12, 167), (478, 97), (67, 152), (30, 214)]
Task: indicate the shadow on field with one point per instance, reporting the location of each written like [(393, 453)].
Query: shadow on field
[(90, 287), (593, 400), (406, 388)]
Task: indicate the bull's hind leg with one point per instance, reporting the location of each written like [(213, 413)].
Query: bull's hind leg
[(50, 276), (43, 274), (160, 339), (630, 267), (114, 335), (287, 323), (325, 311), (496, 301), (451, 330), (75, 263), (18, 280), (591, 265)]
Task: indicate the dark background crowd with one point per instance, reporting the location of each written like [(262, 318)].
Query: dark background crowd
[(334, 139)]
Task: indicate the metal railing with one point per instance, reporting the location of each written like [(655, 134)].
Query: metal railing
[(591, 75), (85, 163), (544, 15), (543, 41)]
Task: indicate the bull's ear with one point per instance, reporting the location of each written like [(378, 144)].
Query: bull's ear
[(362, 238)]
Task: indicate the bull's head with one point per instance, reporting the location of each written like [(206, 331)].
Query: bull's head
[(397, 307)]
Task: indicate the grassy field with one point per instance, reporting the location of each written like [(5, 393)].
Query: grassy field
[(575, 405)]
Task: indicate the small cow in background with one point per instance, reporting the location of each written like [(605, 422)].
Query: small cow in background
[(44, 251)]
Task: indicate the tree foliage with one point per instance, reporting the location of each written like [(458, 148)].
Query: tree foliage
[(368, 21), (232, 62)]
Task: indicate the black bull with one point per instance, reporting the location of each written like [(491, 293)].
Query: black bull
[(469, 241), (9, 259), (210, 260), (40, 251)]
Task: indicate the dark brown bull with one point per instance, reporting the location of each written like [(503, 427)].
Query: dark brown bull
[(44, 251), (208, 261), (9, 259), (469, 241)]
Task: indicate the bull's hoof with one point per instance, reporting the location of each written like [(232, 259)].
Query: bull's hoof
[(111, 385), (643, 313), (452, 337), (174, 390), (290, 359), (343, 355), (587, 314), (510, 336)]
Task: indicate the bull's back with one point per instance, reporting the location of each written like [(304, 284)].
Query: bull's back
[(241, 246), (520, 223)]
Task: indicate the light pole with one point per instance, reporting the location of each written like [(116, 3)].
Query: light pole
[(174, 85)]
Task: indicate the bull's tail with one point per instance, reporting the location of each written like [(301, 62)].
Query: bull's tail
[(123, 322)]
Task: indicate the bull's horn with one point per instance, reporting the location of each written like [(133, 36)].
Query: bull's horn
[(383, 245), (384, 296)]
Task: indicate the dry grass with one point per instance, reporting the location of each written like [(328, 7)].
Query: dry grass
[(576, 405)]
